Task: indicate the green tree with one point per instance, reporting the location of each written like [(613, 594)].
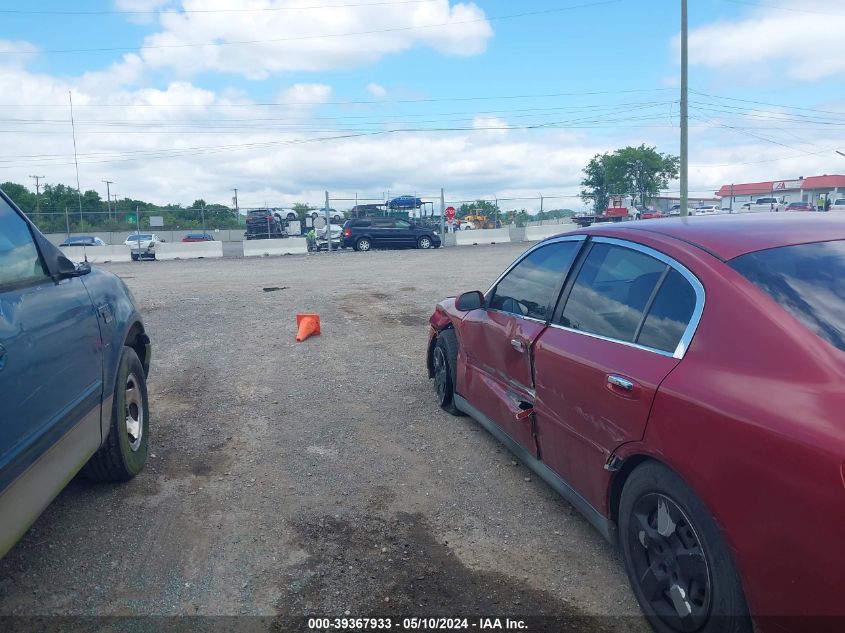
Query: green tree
[(604, 176), (479, 207), (647, 170), (302, 209), (639, 171)]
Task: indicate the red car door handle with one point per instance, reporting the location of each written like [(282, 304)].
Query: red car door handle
[(620, 382), (518, 345)]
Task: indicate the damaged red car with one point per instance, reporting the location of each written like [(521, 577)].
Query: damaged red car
[(681, 384)]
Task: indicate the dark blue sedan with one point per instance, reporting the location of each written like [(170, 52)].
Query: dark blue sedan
[(74, 359)]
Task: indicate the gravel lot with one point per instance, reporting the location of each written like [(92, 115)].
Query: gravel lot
[(317, 478)]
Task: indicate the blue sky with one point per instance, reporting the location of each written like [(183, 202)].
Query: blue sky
[(482, 73)]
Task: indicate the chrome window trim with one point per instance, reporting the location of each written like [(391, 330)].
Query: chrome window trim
[(518, 260), (615, 340), (697, 287)]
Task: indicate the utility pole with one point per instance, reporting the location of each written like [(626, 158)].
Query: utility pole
[(37, 193), (442, 215), (328, 225), (684, 113), (732, 199), (75, 158), (237, 211), (108, 195)]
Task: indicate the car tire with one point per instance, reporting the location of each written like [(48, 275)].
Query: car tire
[(363, 244), (336, 219), (424, 242), (445, 363), (124, 453), (658, 516), (134, 257)]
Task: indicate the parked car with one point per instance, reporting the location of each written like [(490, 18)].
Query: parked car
[(335, 215), (198, 237), (83, 240), (337, 238), (800, 206), (74, 359), (838, 205), (143, 245), (262, 224), (649, 213), (675, 209), (404, 203), (707, 209), (362, 234), (680, 383), (769, 203)]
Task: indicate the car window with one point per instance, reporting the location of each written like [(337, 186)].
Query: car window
[(529, 288), (362, 223), (19, 258), (401, 224), (807, 280), (669, 315), (383, 222), (138, 236), (612, 290)]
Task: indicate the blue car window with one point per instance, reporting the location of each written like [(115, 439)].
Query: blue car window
[(19, 258)]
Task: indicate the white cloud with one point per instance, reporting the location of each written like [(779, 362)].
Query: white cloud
[(20, 52), (379, 92), (307, 40), (305, 94), (801, 42)]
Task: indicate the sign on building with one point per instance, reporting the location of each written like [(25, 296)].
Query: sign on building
[(156, 221)]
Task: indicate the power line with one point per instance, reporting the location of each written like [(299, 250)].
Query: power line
[(768, 103), (782, 8), (203, 11), (340, 103), (314, 37)]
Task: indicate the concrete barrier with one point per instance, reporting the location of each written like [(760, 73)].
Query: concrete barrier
[(189, 250), (534, 233), (97, 254), (482, 236), (288, 246)]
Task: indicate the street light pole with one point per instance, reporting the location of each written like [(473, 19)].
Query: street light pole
[(684, 113)]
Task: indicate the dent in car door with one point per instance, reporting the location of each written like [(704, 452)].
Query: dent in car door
[(495, 372), (599, 364)]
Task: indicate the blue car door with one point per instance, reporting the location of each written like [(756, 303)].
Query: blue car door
[(51, 367)]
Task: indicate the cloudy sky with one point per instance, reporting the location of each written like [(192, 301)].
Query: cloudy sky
[(283, 99)]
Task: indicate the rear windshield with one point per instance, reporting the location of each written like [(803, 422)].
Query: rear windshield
[(808, 280), (139, 236)]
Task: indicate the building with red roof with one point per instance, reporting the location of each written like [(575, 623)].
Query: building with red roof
[(810, 189)]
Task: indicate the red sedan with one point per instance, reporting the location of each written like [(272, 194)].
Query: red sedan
[(681, 384)]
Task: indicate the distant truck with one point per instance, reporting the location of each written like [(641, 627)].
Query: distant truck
[(768, 203), (611, 214)]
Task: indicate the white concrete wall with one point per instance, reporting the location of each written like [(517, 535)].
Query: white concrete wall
[(535, 233), (482, 236), (188, 250), (288, 246), (97, 254)]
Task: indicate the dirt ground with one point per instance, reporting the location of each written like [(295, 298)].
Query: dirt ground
[(314, 479)]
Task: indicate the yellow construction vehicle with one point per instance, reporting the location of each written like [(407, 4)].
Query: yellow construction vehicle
[(479, 221)]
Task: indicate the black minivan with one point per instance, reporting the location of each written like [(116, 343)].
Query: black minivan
[(362, 234)]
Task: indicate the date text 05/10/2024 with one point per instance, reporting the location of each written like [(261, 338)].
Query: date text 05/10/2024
[(415, 624)]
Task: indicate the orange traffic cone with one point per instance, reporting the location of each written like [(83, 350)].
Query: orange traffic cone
[(307, 324)]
